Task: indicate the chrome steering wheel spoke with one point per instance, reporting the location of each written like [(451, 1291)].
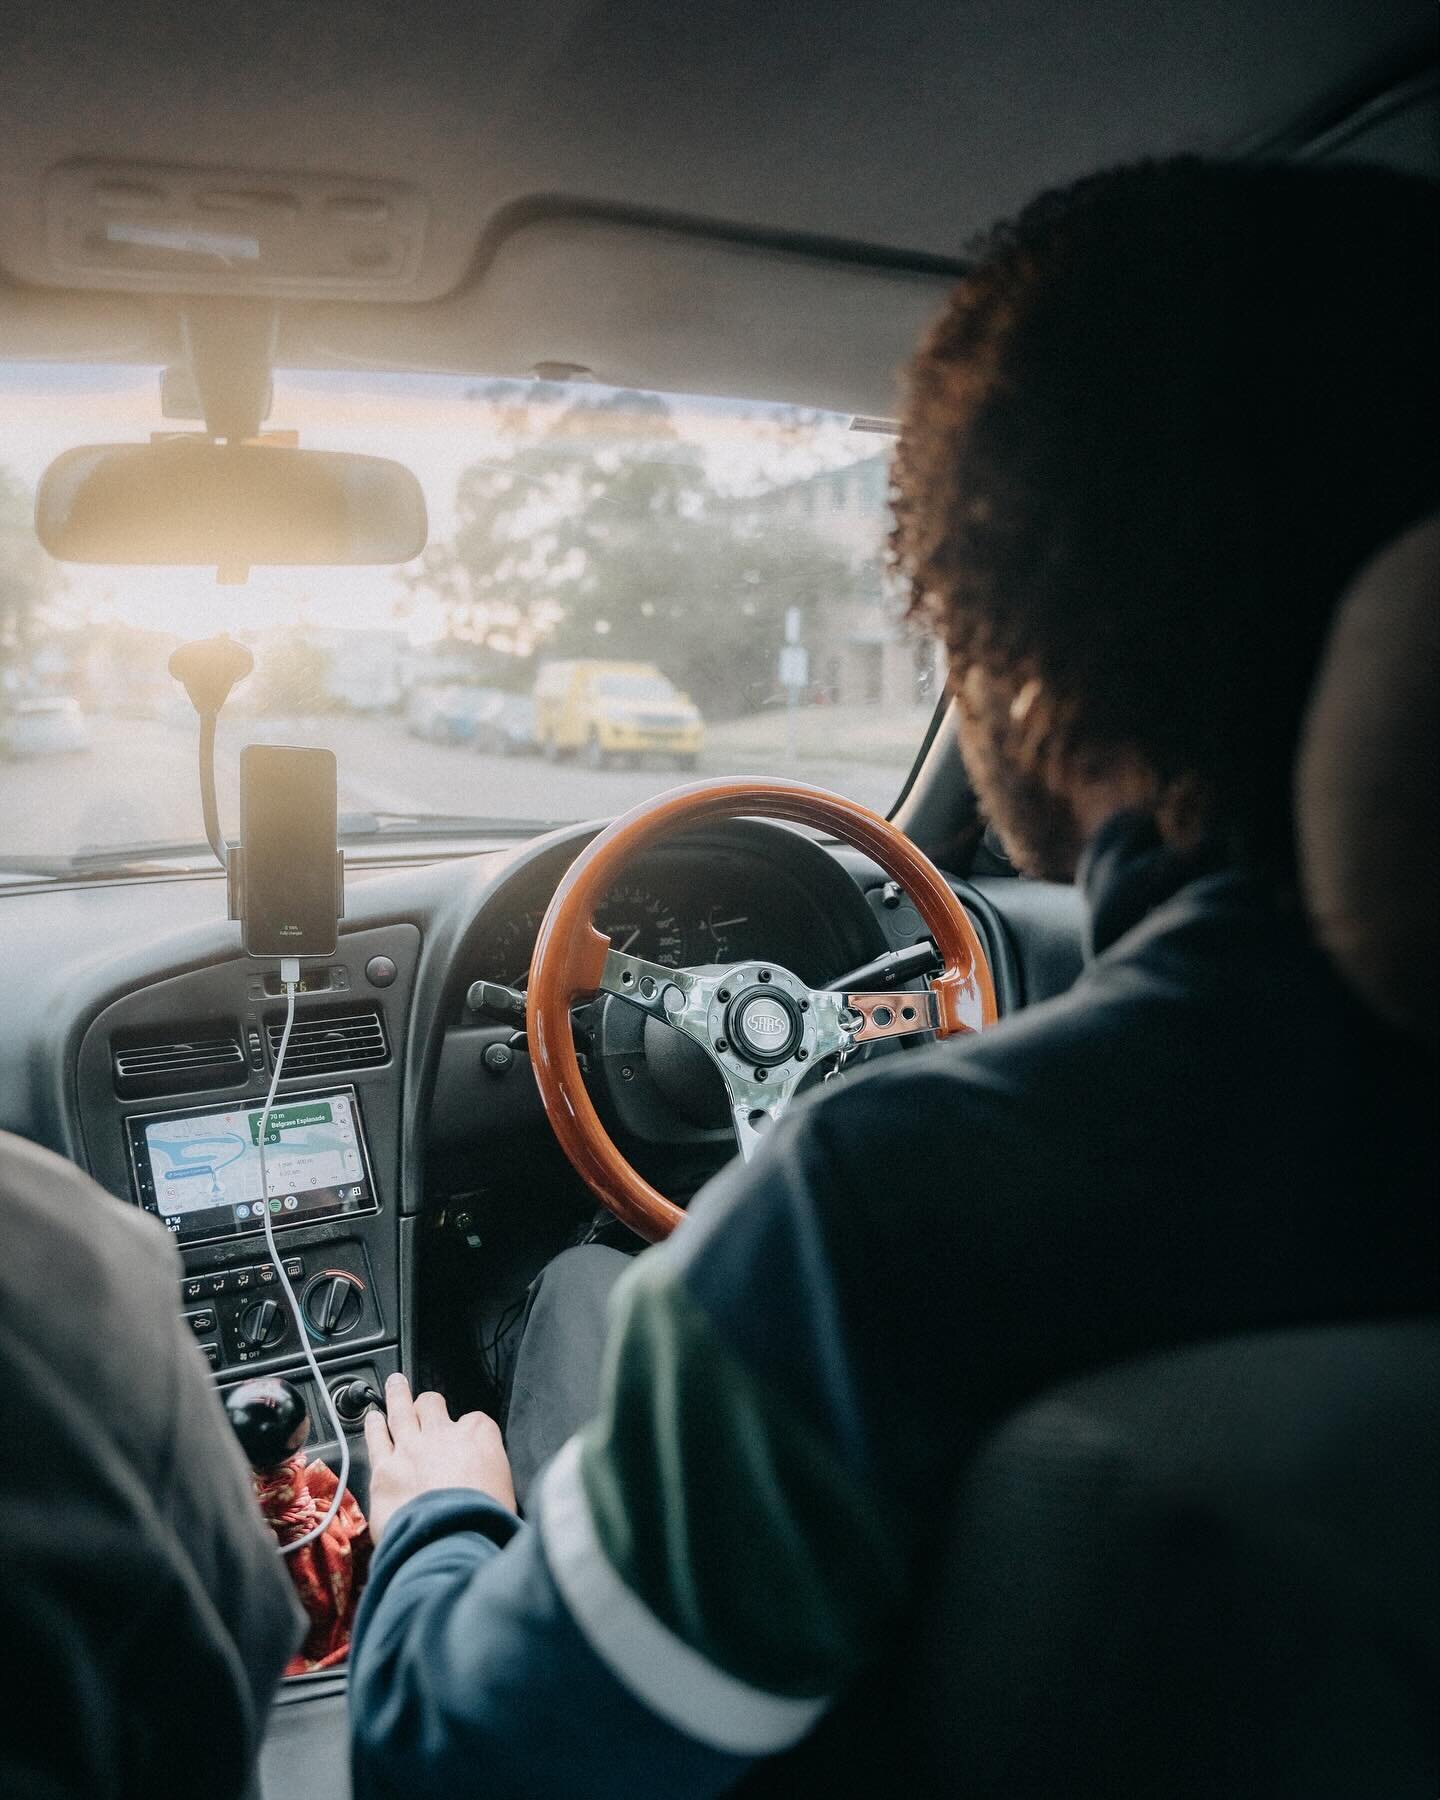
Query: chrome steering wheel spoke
[(670, 995), (889, 1014), (761, 1027), (754, 1109)]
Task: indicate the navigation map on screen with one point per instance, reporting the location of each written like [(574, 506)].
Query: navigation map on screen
[(204, 1168)]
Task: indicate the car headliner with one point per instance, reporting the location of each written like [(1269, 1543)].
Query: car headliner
[(756, 198)]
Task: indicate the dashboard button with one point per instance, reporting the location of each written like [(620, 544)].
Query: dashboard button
[(380, 971), (333, 1303), (217, 1284), (261, 1324), (212, 1354), (294, 1267), (202, 1321), (193, 1288)]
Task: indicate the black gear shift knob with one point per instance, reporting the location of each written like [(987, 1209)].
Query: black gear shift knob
[(269, 1418)]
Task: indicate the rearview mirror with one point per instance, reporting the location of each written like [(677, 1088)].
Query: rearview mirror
[(190, 500)]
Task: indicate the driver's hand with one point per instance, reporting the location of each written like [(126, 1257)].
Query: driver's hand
[(422, 1448)]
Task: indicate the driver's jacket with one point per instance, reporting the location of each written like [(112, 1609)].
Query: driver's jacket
[(1205, 1134)]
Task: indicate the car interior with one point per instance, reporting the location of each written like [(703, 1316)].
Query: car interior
[(730, 203)]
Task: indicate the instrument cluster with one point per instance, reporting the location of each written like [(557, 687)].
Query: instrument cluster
[(640, 919)]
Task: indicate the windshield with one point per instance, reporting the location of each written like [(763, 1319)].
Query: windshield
[(621, 590)]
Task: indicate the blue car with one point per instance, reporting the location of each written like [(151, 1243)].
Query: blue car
[(507, 728)]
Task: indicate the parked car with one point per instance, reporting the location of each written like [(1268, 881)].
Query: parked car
[(605, 710), (507, 728), (447, 715), (49, 727), (420, 706)]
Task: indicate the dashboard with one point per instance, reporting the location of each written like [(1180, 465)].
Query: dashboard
[(137, 1040), (419, 1180)]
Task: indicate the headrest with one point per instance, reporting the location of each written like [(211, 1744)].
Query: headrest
[(1367, 783)]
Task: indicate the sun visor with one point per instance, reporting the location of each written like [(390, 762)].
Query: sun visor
[(684, 309), (677, 307)]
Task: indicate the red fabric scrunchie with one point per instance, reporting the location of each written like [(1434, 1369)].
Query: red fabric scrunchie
[(328, 1573)]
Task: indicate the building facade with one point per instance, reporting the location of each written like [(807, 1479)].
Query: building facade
[(858, 648)]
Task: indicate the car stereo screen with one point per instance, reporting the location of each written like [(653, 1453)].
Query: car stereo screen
[(200, 1171)]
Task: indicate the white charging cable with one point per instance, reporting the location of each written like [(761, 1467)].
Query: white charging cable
[(290, 976)]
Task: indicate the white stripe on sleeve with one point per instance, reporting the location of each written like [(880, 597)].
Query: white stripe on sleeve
[(661, 1670)]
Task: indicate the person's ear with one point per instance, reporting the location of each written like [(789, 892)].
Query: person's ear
[(1185, 812)]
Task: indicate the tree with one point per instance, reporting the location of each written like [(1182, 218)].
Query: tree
[(705, 601), (26, 575), (603, 536), (293, 676)]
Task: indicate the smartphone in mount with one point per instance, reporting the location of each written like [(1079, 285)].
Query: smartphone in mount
[(289, 884)]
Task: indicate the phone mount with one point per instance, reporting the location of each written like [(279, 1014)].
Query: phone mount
[(235, 883), (209, 669)]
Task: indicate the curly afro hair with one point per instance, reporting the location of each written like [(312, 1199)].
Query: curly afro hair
[(1166, 415)]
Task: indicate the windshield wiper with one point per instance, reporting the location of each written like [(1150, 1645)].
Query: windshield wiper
[(96, 865), (381, 823)]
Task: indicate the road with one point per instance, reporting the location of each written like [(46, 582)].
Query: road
[(138, 783)]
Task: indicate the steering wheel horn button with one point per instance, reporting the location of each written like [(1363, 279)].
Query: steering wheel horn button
[(763, 1023)]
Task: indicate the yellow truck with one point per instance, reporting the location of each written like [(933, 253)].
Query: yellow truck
[(605, 711)]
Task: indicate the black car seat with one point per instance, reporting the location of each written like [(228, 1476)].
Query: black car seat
[(1368, 779), (1217, 1572)]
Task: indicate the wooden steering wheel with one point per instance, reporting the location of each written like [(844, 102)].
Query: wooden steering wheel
[(759, 1024)]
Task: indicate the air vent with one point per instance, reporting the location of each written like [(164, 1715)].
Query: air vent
[(324, 1041), (210, 1058)]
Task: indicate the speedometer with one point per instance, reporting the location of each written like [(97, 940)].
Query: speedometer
[(635, 920), (723, 935), (639, 923), (505, 955)]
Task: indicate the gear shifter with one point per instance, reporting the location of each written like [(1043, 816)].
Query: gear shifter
[(270, 1420)]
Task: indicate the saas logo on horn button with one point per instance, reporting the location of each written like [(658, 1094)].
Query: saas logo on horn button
[(766, 1023), (763, 1025)]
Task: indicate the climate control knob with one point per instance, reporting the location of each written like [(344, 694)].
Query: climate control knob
[(261, 1324), (332, 1303)]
